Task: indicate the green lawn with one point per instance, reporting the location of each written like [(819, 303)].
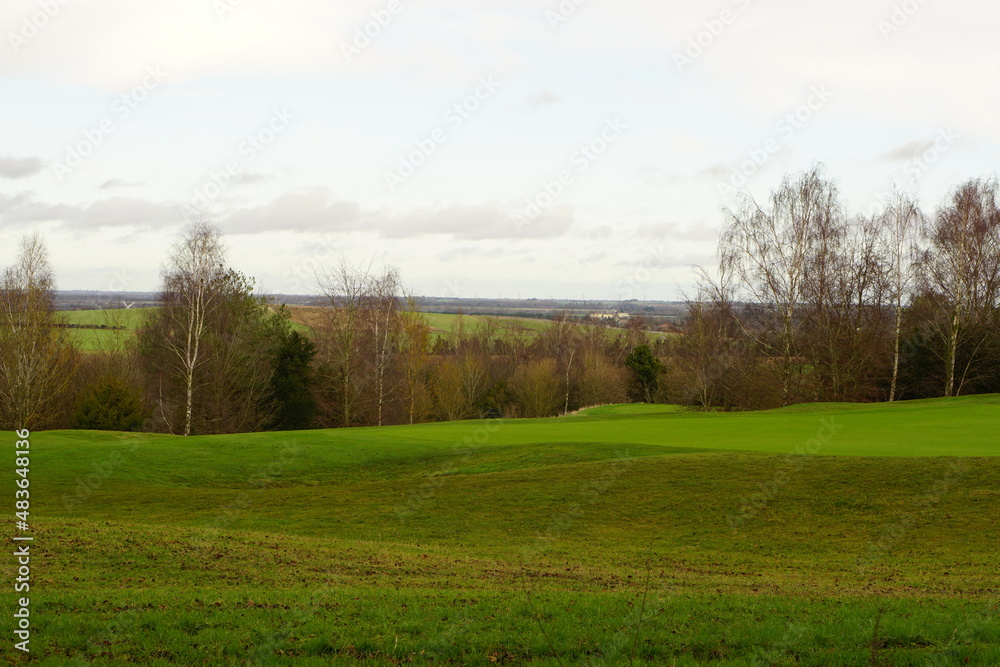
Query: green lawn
[(530, 541)]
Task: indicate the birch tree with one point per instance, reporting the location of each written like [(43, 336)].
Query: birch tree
[(899, 244), (962, 266), (383, 315), (764, 256), (344, 287), (190, 295)]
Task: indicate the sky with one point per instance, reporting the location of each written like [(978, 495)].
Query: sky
[(525, 148)]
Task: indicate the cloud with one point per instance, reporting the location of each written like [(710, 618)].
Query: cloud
[(316, 209), (656, 231), (717, 171), (23, 208), (11, 167), (123, 212), (306, 210), (118, 183), (480, 222), (654, 176), (10, 202), (542, 98), (250, 178), (907, 151)]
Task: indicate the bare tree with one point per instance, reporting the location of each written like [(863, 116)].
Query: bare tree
[(899, 244), (962, 265), (844, 316), (383, 314), (36, 358), (560, 342), (765, 257), (345, 287), (416, 336), (360, 341)]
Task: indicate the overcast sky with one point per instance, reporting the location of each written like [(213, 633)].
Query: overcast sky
[(525, 147)]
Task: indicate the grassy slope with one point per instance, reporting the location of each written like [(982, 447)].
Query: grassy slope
[(185, 549)]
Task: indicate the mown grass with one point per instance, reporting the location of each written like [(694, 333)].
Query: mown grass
[(414, 546)]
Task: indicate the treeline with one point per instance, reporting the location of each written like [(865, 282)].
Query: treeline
[(813, 303), (809, 303), (215, 357)]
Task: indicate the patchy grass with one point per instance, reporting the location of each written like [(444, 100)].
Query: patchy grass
[(530, 543)]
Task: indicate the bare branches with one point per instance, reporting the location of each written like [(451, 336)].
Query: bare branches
[(36, 359), (963, 267)]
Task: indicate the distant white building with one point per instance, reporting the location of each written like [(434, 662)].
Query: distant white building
[(616, 317)]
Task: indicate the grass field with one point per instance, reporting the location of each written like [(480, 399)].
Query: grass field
[(93, 340), (817, 535), (444, 324)]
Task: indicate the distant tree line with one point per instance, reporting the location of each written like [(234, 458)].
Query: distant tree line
[(812, 303), (808, 303)]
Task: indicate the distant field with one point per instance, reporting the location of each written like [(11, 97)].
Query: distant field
[(303, 320), (96, 340), (820, 535), (451, 324), (92, 340)]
